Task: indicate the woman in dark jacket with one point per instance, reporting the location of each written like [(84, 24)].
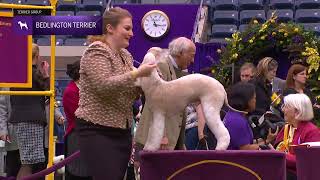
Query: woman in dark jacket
[(29, 117), (266, 71)]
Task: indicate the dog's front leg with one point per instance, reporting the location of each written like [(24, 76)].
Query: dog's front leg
[(156, 131)]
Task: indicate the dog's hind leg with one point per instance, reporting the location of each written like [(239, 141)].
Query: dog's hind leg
[(213, 120), (156, 131)]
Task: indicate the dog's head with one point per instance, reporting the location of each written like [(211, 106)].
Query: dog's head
[(152, 57), (149, 58)]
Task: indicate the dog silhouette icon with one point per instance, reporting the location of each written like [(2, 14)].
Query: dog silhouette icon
[(23, 25)]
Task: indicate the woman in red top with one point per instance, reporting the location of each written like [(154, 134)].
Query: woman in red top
[(298, 113), (76, 169)]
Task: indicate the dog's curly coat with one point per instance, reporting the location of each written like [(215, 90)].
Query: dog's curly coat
[(168, 98)]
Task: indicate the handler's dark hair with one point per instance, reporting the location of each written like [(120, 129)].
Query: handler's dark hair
[(240, 94)]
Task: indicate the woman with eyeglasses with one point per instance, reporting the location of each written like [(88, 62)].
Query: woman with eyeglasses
[(296, 83), (298, 113)]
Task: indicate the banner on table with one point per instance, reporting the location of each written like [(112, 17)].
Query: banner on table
[(208, 165), (307, 162)]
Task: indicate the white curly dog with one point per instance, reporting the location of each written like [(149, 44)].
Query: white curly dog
[(168, 98)]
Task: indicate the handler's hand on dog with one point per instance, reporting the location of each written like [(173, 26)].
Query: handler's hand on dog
[(145, 69), (164, 143)]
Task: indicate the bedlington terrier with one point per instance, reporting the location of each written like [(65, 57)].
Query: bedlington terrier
[(169, 98)]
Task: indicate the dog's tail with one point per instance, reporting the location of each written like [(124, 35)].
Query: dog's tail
[(227, 103)]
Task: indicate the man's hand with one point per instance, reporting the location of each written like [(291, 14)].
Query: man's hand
[(203, 144), (200, 136), (5, 138)]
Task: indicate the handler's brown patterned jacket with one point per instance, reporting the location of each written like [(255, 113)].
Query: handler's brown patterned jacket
[(107, 89)]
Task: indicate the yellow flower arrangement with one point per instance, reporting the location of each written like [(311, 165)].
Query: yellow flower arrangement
[(263, 27), (313, 59), (235, 55), (236, 36)]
